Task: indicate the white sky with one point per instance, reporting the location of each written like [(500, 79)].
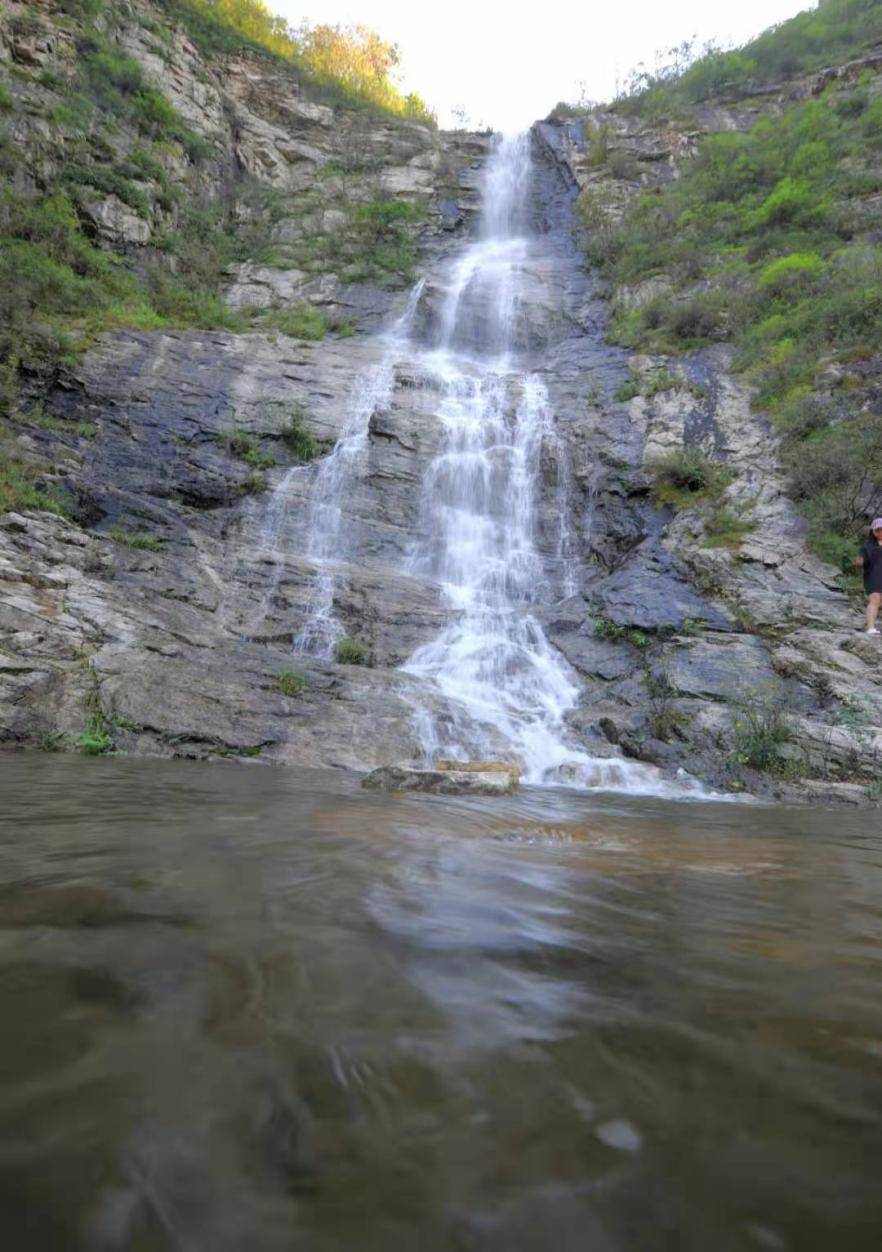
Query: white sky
[(509, 64)]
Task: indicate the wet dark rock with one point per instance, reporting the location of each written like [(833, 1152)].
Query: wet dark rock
[(648, 594)]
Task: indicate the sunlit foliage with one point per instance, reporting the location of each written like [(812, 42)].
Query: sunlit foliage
[(350, 59)]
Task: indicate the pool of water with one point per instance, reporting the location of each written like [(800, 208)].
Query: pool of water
[(263, 1009)]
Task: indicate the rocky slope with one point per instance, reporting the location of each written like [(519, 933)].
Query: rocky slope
[(159, 617)]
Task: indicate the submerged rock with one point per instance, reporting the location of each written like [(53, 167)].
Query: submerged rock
[(482, 778)]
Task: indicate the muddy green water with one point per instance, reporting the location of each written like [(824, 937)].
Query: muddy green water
[(253, 1009)]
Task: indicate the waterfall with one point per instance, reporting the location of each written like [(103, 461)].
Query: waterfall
[(325, 544), (507, 688), (490, 684)]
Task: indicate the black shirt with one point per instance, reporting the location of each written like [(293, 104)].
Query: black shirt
[(871, 551)]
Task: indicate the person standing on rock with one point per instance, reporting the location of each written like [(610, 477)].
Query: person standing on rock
[(870, 559)]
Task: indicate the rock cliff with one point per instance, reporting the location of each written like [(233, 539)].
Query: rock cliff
[(158, 616)]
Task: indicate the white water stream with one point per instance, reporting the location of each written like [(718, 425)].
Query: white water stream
[(492, 684), (325, 545), (493, 662)]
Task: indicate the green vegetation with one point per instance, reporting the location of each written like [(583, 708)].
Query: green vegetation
[(297, 438), (60, 425), (682, 477), (760, 730), (350, 64), (246, 446), (59, 289), (381, 229), (627, 390), (305, 321), (352, 652), (834, 32), (291, 682), (96, 738), (22, 486), (606, 629), (769, 240), (375, 243), (726, 528), (135, 539), (664, 719)]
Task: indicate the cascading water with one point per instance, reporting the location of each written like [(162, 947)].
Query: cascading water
[(490, 684), (325, 545), (499, 675)]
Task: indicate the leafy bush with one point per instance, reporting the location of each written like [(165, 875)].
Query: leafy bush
[(95, 743), (790, 275), (681, 477), (352, 652), (792, 201), (7, 100), (291, 682)]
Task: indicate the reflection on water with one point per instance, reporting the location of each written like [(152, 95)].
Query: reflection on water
[(246, 1008)]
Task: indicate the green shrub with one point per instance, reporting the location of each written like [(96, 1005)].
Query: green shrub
[(7, 100), (297, 438), (792, 201), (664, 718), (246, 446), (598, 144), (110, 73), (627, 390), (788, 275), (108, 180), (96, 738), (291, 682), (352, 652), (300, 321), (833, 32), (606, 629), (724, 528), (760, 730), (681, 477), (94, 743), (182, 302), (21, 488)]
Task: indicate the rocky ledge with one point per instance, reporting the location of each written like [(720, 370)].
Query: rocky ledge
[(476, 778)]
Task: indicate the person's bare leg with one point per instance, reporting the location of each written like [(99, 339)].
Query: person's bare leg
[(873, 608)]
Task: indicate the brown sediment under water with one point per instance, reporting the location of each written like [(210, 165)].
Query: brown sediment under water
[(261, 1009)]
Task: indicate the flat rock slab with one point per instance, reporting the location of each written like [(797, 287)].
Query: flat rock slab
[(490, 782)]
